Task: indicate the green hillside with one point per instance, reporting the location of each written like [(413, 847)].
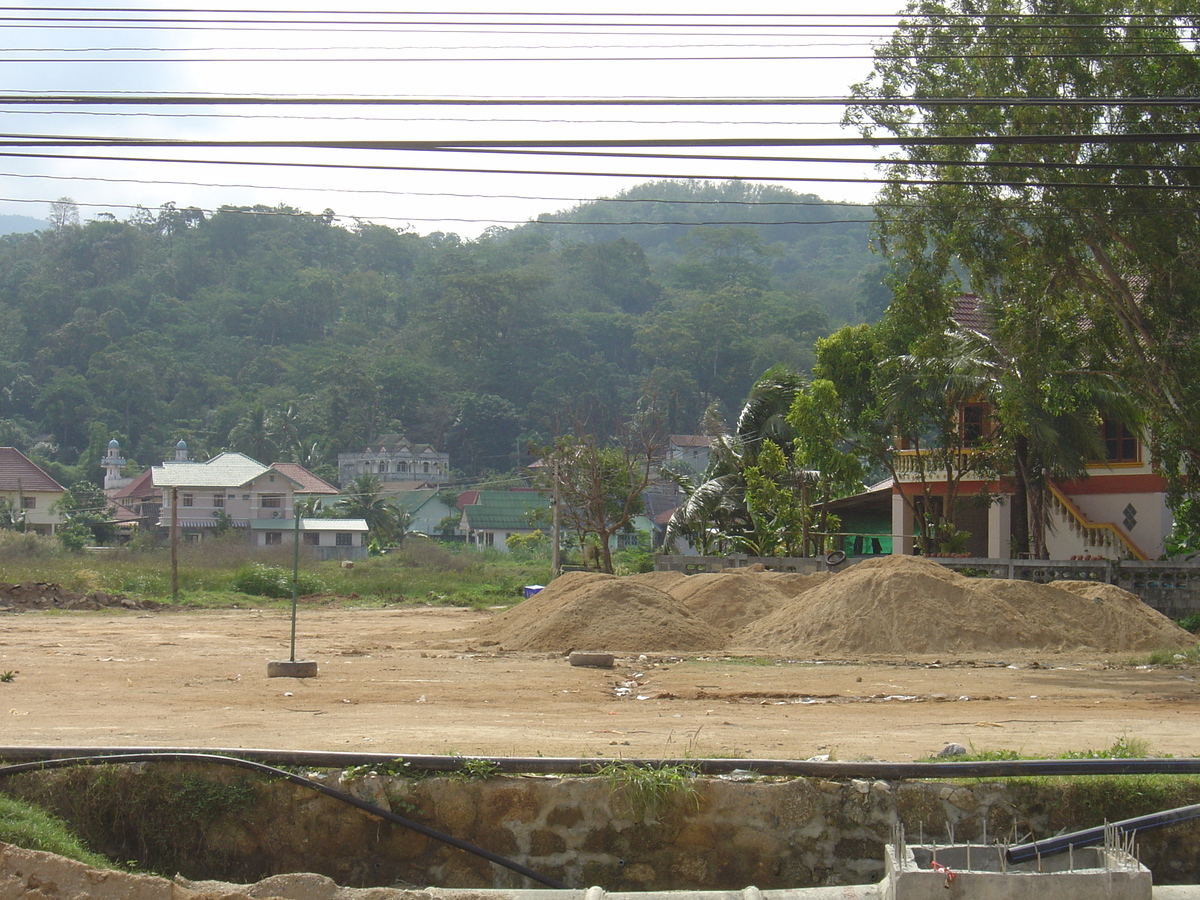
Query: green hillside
[(286, 336)]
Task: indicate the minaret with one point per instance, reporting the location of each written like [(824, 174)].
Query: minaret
[(112, 464), (181, 454)]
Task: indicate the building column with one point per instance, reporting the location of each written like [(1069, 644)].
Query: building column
[(1000, 529), (902, 527)]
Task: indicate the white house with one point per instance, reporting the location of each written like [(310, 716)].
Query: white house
[(233, 490)]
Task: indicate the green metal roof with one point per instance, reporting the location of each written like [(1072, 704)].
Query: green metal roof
[(504, 510)]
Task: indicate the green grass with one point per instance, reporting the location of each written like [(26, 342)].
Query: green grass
[(33, 828), (1124, 747), (1172, 657), (423, 572), (648, 789)]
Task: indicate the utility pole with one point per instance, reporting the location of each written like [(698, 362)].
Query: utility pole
[(555, 528), (174, 544)]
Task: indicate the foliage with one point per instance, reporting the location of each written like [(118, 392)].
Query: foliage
[(647, 789), (273, 581), (715, 514), (287, 336), (1097, 238), (598, 484), (387, 522), (87, 514), (473, 769), (27, 826), (534, 545)]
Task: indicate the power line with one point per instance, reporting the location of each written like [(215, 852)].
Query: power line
[(200, 99)]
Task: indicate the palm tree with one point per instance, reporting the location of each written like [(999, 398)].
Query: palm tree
[(1049, 407), (714, 512), (387, 523)]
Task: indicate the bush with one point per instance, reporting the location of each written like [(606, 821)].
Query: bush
[(273, 581)]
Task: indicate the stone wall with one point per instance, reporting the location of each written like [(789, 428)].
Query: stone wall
[(713, 834)]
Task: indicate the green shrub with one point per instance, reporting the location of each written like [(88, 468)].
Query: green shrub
[(23, 825), (273, 581)]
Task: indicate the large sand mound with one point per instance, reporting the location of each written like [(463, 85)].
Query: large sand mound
[(602, 612), (890, 606), (905, 604)]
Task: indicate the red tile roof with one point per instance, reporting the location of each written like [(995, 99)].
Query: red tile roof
[(19, 473), (307, 482), (142, 486), (969, 313)]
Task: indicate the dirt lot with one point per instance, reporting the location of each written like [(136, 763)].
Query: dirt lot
[(403, 681)]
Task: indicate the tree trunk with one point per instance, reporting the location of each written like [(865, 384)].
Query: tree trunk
[(1020, 499)]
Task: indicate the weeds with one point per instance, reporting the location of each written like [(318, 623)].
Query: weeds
[(31, 827), (477, 770), (8, 677), (648, 789)]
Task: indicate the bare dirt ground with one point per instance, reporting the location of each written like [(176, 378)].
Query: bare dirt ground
[(403, 681)]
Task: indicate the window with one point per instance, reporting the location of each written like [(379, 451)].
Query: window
[(187, 500), (271, 501), (402, 467), (383, 467), (344, 539), (28, 502), (425, 468), (974, 423), (219, 501), (313, 540), (1120, 444), (273, 537)]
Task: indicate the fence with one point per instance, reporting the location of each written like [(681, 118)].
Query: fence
[(1173, 588)]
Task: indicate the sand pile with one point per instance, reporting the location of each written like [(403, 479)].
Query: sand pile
[(904, 604), (582, 611), (733, 599), (890, 606)]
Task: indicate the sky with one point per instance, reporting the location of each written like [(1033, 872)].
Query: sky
[(370, 50)]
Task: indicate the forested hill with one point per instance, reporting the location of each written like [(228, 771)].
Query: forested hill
[(287, 336)]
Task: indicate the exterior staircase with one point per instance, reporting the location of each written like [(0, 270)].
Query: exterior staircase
[(1106, 539)]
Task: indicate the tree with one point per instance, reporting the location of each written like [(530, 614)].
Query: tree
[(715, 512), (1056, 195), (87, 513), (599, 483), (387, 523), (64, 214)]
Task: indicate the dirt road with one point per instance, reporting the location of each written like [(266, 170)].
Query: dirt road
[(401, 681)]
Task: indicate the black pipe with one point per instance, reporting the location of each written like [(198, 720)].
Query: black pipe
[(1090, 836), (891, 771), (102, 759)]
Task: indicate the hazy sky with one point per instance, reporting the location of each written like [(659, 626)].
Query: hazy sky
[(485, 50)]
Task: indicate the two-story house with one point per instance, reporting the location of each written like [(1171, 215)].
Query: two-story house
[(231, 490), (398, 463), (1119, 511), (30, 491)]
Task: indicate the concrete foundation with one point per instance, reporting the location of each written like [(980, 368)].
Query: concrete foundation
[(980, 872)]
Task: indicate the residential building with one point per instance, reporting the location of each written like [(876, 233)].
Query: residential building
[(489, 517), (426, 509), (692, 449), (30, 491), (397, 462), (231, 490), (1119, 511)]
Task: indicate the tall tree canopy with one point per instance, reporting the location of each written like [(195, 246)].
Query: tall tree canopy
[(1049, 152)]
